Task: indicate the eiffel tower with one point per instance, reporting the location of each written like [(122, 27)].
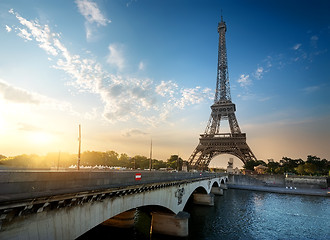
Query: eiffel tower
[(212, 142)]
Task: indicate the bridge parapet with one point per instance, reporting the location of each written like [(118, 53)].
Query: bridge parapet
[(108, 198), (16, 185)]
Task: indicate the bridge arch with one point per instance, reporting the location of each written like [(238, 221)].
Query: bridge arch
[(78, 215)]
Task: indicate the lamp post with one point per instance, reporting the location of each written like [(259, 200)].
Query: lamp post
[(79, 139)]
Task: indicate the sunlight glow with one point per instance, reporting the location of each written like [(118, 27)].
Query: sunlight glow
[(41, 138)]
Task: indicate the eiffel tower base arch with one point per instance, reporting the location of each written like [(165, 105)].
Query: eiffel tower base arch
[(212, 145)]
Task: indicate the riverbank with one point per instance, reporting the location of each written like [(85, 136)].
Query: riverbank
[(298, 185), (283, 190)]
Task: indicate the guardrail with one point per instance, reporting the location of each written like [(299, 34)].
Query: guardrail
[(16, 185)]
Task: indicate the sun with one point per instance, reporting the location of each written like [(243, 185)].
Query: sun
[(40, 138)]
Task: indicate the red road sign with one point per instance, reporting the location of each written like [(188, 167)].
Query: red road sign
[(138, 176)]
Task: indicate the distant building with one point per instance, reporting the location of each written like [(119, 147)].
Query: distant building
[(185, 166), (230, 167)]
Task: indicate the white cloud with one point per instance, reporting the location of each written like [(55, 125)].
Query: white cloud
[(259, 72), (311, 89), (8, 29), (297, 46), (133, 132), (24, 34), (192, 96), (40, 33), (141, 65), (116, 56), (166, 88), (17, 95), (91, 12), (244, 80), (123, 98), (93, 15)]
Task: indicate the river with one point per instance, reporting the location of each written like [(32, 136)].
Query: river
[(241, 214)]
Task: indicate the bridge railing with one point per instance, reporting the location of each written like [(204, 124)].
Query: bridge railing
[(17, 185)]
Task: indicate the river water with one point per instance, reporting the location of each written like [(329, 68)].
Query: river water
[(241, 214)]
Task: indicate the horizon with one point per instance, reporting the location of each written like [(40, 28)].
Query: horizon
[(129, 73)]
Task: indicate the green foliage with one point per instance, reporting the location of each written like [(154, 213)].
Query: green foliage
[(249, 165), (157, 164), (272, 166), (175, 162), (313, 166), (140, 162), (288, 165)]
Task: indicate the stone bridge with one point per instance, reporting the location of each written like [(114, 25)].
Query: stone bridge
[(66, 204)]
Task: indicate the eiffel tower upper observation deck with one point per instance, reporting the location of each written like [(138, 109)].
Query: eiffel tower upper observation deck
[(212, 142)]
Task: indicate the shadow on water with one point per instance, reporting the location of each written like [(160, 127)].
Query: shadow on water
[(140, 231), (239, 214)]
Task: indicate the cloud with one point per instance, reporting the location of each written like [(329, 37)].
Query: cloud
[(133, 132), (116, 56), (28, 127), (92, 15), (91, 12), (123, 97), (314, 40), (17, 95), (311, 89), (8, 29), (24, 34), (141, 65), (297, 46), (259, 72), (192, 96), (40, 33), (244, 80), (130, 2), (166, 88)]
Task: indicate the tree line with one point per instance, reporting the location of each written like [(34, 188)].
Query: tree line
[(89, 158), (312, 166)]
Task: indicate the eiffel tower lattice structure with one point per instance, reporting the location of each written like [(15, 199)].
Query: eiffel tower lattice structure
[(213, 142)]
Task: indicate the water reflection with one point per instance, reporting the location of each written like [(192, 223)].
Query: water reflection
[(241, 214)]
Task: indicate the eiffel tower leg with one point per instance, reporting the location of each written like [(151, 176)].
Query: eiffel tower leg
[(233, 123)]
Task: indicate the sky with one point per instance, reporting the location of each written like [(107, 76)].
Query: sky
[(130, 71)]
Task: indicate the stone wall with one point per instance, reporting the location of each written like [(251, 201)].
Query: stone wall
[(306, 182), (279, 181)]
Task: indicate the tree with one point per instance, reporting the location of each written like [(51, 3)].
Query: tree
[(175, 162), (249, 165), (124, 160), (272, 166), (157, 164), (310, 168), (289, 165), (141, 162), (111, 158), (300, 169)]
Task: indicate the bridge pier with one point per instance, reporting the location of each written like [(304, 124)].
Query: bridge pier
[(170, 224), (224, 186), (123, 220), (217, 191), (204, 199)]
